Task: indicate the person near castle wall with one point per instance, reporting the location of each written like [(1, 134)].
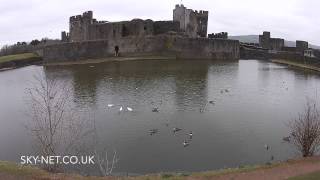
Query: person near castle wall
[(116, 50)]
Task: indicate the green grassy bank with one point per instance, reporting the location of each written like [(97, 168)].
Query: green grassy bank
[(13, 171), (311, 176), (297, 65), (17, 57), (18, 60)]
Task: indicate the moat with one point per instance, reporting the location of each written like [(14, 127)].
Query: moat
[(252, 101)]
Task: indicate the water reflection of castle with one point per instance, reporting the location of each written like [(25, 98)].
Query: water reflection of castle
[(128, 81)]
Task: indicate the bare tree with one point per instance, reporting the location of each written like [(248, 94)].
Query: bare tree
[(104, 164), (56, 126), (305, 131)]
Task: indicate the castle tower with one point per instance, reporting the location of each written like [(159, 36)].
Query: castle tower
[(79, 26), (193, 23), (302, 46), (264, 40), (64, 36)]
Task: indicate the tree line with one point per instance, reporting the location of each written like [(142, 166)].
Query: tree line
[(26, 47)]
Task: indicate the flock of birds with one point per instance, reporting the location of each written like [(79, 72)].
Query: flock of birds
[(190, 134), (155, 131), (121, 108), (175, 130)]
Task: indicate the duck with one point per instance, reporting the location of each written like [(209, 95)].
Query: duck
[(110, 105), (129, 109), (155, 110), (286, 139), (267, 147), (120, 109), (211, 102), (153, 131), (176, 129), (190, 134), (185, 143), (272, 158)]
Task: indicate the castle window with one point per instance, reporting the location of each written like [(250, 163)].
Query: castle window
[(145, 28)]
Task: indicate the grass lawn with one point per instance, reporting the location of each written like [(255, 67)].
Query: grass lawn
[(311, 176), (29, 172), (10, 170), (15, 170), (17, 57)]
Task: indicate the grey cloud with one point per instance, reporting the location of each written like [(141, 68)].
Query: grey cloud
[(291, 19)]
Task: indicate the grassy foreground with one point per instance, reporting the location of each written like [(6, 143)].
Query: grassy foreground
[(10, 170), (15, 171), (17, 57), (311, 176)]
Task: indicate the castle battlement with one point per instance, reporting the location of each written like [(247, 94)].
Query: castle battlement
[(85, 15), (185, 21), (202, 12), (193, 22)]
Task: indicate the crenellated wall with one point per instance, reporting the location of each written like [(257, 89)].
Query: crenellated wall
[(269, 43), (84, 28), (301, 46), (193, 23), (221, 35), (161, 45)]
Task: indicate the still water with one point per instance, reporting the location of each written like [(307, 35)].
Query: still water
[(253, 102)]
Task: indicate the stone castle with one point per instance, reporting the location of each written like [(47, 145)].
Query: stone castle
[(185, 21), (183, 37)]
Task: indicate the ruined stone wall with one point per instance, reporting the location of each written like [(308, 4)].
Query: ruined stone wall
[(64, 36), (302, 46), (161, 27), (203, 48), (162, 45), (79, 26), (84, 28), (290, 49), (266, 42), (286, 55), (252, 53), (193, 23), (136, 27), (276, 44), (221, 35), (316, 52)]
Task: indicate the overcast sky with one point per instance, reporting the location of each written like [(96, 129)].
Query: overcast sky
[(24, 20)]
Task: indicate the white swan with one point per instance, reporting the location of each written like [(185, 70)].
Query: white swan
[(129, 109)]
